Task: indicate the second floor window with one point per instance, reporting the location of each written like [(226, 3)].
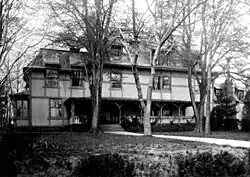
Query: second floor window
[(166, 83), (116, 80), (52, 77), (162, 82), (77, 78), (157, 83)]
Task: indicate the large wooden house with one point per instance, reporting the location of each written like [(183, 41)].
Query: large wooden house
[(58, 95)]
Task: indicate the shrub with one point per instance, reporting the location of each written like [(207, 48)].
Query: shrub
[(7, 166), (172, 127), (245, 124), (112, 165), (207, 164), (134, 126)]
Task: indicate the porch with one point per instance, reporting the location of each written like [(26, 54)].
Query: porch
[(79, 111)]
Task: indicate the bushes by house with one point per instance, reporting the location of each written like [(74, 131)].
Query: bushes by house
[(246, 113), (136, 126)]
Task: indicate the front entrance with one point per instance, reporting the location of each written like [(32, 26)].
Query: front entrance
[(110, 113)]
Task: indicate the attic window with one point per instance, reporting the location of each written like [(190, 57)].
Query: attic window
[(116, 50), (52, 78)]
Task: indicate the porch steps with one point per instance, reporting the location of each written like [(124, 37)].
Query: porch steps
[(111, 127)]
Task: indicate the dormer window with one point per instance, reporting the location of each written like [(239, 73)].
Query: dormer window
[(52, 77), (116, 50)]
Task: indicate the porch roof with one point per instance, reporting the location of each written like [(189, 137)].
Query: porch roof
[(128, 99)]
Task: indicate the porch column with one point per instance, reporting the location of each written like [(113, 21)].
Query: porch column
[(71, 121), (120, 114), (179, 115), (161, 113)]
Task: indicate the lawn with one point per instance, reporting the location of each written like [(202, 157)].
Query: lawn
[(234, 135), (57, 154)]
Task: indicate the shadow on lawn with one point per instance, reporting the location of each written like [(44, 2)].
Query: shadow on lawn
[(13, 147)]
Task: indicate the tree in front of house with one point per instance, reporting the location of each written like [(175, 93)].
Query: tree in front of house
[(246, 113), (226, 106), (16, 31), (86, 24), (157, 31), (214, 35)]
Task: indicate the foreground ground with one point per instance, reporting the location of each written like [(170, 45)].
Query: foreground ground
[(57, 154)]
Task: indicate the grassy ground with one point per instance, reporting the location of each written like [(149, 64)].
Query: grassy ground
[(57, 150), (234, 135)]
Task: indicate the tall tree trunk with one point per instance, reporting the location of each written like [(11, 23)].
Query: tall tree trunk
[(192, 96), (207, 125), (95, 100), (137, 82), (147, 109), (201, 110), (96, 91)]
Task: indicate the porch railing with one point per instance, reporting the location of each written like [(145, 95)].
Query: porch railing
[(171, 119)]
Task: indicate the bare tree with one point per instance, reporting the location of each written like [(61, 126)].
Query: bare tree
[(166, 19), (16, 31), (86, 24), (216, 31)]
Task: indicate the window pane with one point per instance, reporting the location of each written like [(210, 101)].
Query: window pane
[(51, 77), (78, 78), (53, 103), (51, 73), (116, 81), (156, 84), (19, 108), (25, 108), (165, 82), (55, 107), (54, 112)]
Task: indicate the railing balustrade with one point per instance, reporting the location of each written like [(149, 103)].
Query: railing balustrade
[(170, 119)]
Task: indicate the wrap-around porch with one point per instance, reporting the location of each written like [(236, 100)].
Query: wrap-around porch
[(79, 111)]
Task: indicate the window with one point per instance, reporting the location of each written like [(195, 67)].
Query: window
[(55, 107), (116, 50), (157, 83), (22, 109), (52, 78), (77, 78), (162, 82), (116, 80), (166, 83)]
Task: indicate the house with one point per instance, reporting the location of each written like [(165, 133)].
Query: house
[(58, 94)]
